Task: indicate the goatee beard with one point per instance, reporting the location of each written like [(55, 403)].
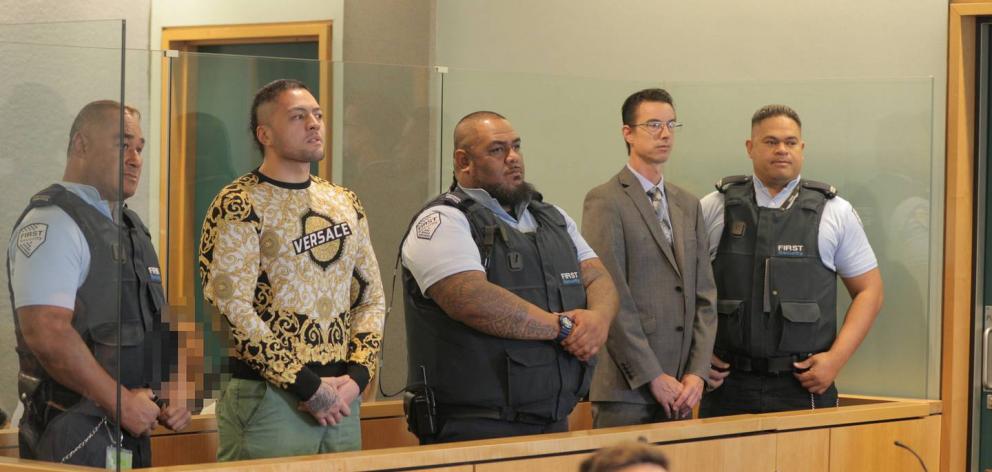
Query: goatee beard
[(512, 197)]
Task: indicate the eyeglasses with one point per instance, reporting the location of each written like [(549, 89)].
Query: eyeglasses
[(654, 126)]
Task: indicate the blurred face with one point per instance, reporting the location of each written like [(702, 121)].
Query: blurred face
[(493, 161), (100, 149), (643, 468), (291, 127), (776, 151), (651, 147)]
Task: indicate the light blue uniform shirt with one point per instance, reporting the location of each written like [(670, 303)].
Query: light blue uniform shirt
[(440, 242), (843, 243), (49, 257)]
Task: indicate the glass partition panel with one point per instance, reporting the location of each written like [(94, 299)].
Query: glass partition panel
[(871, 139), (377, 143), (390, 122), (54, 129)]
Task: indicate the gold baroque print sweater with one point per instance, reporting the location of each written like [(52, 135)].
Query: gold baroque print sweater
[(291, 267)]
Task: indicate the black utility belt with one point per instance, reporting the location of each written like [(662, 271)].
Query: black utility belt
[(241, 370), (763, 365), (501, 414)]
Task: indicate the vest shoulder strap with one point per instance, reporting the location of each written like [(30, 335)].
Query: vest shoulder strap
[(51, 195), (827, 190), (725, 183), (547, 212), (133, 220)]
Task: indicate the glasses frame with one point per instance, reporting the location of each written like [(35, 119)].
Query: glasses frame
[(654, 126)]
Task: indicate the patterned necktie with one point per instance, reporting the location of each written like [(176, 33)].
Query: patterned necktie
[(661, 210)]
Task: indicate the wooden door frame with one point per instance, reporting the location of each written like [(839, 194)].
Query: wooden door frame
[(177, 168), (959, 233)]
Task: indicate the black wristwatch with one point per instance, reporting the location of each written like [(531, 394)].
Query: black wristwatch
[(564, 327)]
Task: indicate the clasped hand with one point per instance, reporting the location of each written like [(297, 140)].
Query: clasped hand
[(330, 403), (141, 415), (677, 398), (588, 334)]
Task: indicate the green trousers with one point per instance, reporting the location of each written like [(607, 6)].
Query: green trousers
[(257, 420)]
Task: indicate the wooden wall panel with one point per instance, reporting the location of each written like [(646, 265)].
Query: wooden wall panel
[(379, 433), (873, 446), (741, 454), (180, 449), (808, 451)]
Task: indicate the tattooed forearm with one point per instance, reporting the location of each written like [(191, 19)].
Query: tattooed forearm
[(601, 294), (508, 321), (322, 400), (590, 272), (470, 298)]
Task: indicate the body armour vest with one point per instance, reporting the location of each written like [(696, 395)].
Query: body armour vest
[(130, 266), (535, 380), (775, 296)]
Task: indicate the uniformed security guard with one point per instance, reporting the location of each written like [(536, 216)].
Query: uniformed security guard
[(506, 304), (69, 255), (778, 243)]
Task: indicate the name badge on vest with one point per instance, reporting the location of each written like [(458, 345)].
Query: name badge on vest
[(790, 250), (570, 278), (737, 229), (515, 261)]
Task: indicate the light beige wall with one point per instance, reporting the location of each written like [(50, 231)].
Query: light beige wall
[(397, 32), (387, 134), (679, 41), (710, 53), (136, 13), (47, 73)]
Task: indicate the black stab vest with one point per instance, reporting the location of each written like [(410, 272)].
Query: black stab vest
[(467, 368), (133, 269), (796, 313)]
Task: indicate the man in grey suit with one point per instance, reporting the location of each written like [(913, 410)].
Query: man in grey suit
[(650, 236)]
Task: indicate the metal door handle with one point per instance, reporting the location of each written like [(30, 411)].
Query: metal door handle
[(985, 358)]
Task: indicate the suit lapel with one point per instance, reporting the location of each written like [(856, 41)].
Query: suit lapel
[(632, 187)]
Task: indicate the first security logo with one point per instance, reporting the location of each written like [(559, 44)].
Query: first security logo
[(428, 225), (570, 278), (31, 238), (790, 250)]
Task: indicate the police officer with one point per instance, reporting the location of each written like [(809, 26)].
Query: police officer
[(65, 270), (779, 242), (506, 304)]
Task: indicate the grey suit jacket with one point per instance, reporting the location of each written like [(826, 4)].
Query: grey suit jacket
[(667, 322)]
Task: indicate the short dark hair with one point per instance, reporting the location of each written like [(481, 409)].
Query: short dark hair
[(94, 111), (267, 94), (629, 108), (771, 111), (623, 455)]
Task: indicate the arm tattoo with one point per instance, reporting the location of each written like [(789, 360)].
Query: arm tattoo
[(601, 294), (322, 400), (489, 308), (589, 273)]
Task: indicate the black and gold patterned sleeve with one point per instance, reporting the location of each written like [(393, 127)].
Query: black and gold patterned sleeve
[(234, 283)]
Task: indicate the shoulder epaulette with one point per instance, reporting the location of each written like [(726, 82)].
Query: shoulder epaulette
[(827, 190), (723, 184)]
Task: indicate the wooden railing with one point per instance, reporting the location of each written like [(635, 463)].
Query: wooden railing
[(860, 435)]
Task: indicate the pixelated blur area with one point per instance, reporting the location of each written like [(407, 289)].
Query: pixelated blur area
[(199, 367)]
